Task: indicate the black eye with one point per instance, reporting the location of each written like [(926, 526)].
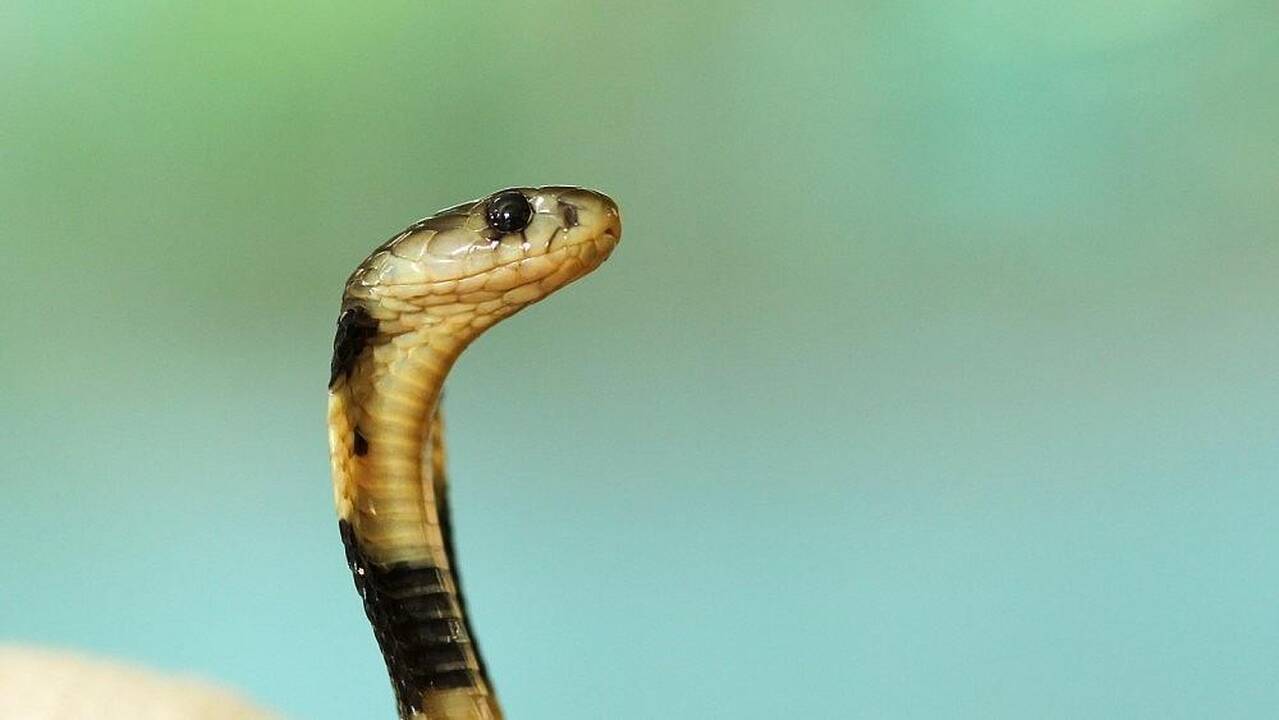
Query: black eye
[(508, 212)]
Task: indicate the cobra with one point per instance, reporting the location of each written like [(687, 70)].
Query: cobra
[(407, 312)]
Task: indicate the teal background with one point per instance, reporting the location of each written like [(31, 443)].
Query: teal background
[(935, 375)]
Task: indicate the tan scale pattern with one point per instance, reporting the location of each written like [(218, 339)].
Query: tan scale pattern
[(433, 289)]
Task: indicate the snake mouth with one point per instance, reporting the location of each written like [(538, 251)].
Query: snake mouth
[(571, 251), (461, 249)]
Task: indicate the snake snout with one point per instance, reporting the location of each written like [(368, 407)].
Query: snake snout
[(613, 218), (589, 214)]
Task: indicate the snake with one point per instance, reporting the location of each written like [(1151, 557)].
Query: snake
[(407, 312)]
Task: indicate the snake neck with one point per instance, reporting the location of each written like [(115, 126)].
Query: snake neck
[(387, 455)]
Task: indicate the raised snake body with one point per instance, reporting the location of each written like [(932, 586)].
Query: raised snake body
[(407, 312)]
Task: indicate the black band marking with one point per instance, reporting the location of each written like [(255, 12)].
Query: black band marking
[(417, 623), (360, 443), (355, 328)]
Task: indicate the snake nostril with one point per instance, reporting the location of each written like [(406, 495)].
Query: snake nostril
[(570, 214)]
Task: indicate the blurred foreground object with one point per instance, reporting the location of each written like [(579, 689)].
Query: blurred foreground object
[(41, 684)]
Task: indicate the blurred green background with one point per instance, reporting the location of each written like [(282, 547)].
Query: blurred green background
[(935, 375)]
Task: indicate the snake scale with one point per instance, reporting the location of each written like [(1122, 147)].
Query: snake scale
[(407, 312)]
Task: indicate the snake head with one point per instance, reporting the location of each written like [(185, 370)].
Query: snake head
[(467, 266)]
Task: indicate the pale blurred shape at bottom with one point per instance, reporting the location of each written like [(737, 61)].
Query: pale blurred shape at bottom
[(41, 684)]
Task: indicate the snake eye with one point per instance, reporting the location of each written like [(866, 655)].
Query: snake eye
[(508, 212)]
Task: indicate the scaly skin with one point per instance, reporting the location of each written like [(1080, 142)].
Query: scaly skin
[(408, 311)]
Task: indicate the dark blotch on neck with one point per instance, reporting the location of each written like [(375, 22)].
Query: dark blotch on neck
[(355, 329)]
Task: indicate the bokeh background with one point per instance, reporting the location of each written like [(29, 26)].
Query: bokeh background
[(935, 375)]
